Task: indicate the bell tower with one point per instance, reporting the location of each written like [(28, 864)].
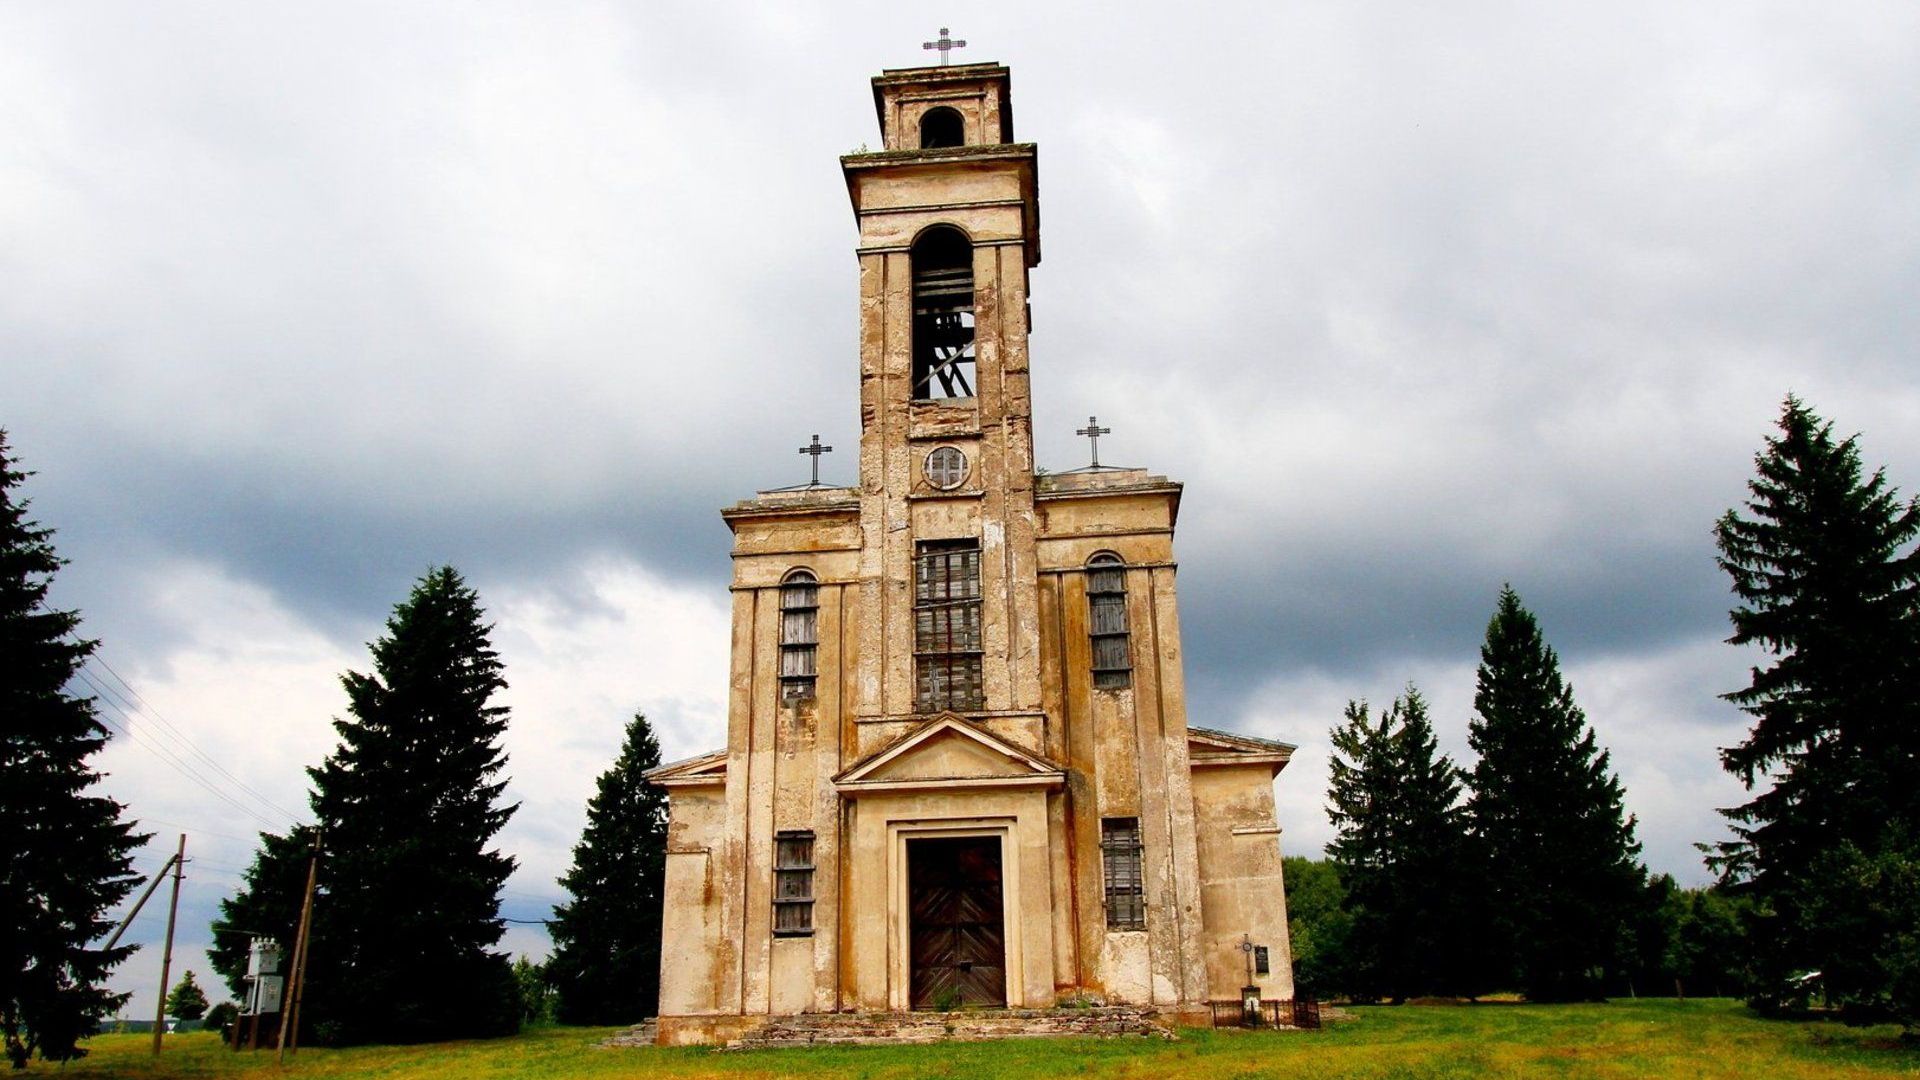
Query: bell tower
[(958, 769), (948, 215)]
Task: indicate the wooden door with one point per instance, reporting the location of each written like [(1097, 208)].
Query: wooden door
[(958, 943)]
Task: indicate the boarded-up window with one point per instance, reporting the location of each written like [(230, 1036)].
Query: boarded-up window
[(946, 625), (1107, 621), (1120, 850), (799, 634), (792, 883)]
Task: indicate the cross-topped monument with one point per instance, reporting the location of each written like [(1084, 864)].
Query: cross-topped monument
[(1093, 431), (814, 450), (945, 45)]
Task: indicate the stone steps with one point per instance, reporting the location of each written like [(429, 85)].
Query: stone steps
[(893, 1029), (644, 1033)]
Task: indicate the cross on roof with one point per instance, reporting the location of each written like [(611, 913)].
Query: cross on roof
[(1093, 431), (944, 45), (814, 450)]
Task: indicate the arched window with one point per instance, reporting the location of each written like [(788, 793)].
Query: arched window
[(942, 314), (799, 634), (1107, 621), (940, 127)]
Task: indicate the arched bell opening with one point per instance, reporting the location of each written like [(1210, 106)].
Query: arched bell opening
[(942, 126), (942, 314)]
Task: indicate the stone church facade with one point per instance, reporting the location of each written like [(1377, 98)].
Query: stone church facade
[(958, 768)]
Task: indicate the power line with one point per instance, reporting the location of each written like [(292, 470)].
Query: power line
[(230, 871), (165, 754), (196, 830), (125, 727), (120, 703), (148, 711)]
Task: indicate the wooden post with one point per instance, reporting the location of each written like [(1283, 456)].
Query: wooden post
[(137, 905), (306, 942), (297, 976), (166, 953)]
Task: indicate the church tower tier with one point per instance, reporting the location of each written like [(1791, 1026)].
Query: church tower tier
[(958, 770), (948, 216)]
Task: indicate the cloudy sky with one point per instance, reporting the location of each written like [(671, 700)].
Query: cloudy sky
[(299, 301)]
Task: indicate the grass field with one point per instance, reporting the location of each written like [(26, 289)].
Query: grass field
[(1705, 1039)]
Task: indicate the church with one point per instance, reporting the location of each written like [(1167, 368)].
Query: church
[(958, 770)]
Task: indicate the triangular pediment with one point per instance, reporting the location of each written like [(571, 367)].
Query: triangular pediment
[(1207, 747), (705, 769), (950, 750)]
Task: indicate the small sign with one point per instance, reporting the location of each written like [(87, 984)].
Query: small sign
[(1260, 960)]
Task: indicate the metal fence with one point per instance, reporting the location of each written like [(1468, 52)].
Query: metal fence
[(1302, 1013)]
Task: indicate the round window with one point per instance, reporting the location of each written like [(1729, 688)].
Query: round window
[(946, 468)]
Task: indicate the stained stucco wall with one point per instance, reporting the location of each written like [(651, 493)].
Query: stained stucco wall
[(1241, 887), (694, 958), (1125, 748), (880, 825)]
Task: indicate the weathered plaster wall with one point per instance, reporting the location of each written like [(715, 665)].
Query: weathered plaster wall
[(978, 92), (1242, 890), (782, 755), (994, 504), (877, 879), (1125, 748), (694, 958)]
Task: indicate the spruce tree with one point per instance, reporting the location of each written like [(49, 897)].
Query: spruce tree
[(65, 855), (1827, 574), (1400, 851), (1359, 798), (605, 966), (1560, 865), (268, 903), (187, 1001), (408, 801), (1434, 858)]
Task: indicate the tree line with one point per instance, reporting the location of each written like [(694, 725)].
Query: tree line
[(1519, 873), (1522, 873), (407, 919), (405, 810)]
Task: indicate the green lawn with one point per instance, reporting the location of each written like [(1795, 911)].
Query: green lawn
[(1704, 1039)]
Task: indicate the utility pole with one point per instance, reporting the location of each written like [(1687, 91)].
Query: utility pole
[(166, 953), (152, 884), (297, 978)]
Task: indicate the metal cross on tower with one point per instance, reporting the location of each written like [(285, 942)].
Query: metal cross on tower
[(814, 450), (1093, 431), (944, 45)]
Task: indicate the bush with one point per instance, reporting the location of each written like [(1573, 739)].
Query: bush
[(220, 1018)]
